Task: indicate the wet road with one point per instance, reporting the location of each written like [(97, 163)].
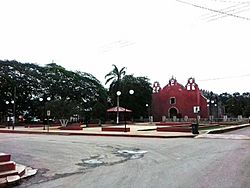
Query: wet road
[(82, 161)]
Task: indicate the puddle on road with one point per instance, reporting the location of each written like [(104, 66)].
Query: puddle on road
[(116, 157), (93, 162), (132, 154)]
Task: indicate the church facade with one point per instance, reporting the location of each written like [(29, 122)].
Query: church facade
[(178, 101)]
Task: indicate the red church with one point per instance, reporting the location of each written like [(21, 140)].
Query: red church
[(177, 101)]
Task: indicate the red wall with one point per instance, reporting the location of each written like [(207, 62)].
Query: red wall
[(185, 99)]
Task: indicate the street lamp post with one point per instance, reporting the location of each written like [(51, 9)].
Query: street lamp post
[(8, 118), (147, 110), (41, 100), (217, 108), (48, 113), (13, 114), (118, 93), (44, 110), (217, 111), (14, 109), (131, 92), (7, 102), (210, 103)]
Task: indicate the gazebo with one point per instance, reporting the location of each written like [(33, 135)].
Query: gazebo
[(124, 114), (120, 109)]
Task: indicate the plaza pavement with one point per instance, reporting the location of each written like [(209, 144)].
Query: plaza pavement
[(137, 130), (146, 130)]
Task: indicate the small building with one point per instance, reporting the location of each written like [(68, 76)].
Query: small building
[(176, 101)]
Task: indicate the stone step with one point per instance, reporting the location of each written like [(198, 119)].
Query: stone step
[(11, 173), (29, 172), (7, 166), (4, 157), (13, 179), (8, 173), (10, 181), (21, 169), (3, 182)]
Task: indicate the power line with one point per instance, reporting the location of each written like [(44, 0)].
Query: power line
[(224, 78), (213, 10), (226, 9), (229, 1), (232, 9)]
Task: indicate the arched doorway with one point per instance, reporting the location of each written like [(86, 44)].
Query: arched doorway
[(173, 112)]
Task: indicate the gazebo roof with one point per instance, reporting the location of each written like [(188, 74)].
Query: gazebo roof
[(121, 109)]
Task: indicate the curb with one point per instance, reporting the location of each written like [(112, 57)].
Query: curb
[(228, 129), (96, 134)]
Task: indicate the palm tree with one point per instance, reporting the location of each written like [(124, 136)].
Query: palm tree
[(115, 76)]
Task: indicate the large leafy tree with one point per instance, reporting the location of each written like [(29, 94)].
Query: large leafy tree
[(142, 95), (19, 83), (70, 92), (246, 102)]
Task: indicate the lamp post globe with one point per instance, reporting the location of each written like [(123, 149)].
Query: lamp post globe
[(118, 93), (131, 91)]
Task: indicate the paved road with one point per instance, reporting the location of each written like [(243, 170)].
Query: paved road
[(63, 161)]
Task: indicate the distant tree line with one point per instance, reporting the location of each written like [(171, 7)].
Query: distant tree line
[(234, 104)]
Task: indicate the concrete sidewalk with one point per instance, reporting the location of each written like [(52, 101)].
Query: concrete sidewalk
[(227, 129), (146, 131), (137, 130)]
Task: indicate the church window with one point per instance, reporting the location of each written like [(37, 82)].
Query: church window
[(172, 100), (193, 86)]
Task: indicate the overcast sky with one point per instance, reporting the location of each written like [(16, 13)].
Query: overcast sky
[(205, 39)]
